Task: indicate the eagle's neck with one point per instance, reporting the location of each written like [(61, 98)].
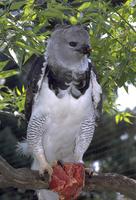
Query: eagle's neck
[(78, 65), (67, 76)]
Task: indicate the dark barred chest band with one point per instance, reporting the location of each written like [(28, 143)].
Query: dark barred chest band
[(76, 84)]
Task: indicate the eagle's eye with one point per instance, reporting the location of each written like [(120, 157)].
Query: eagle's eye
[(73, 44)]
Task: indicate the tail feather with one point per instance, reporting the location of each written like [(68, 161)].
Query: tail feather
[(23, 149)]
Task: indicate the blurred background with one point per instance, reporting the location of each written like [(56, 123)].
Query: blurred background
[(25, 28)]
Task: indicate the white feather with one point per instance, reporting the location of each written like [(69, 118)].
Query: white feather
[(64, 118), (22, 148)]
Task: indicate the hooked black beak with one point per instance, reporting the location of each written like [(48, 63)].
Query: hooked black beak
[(85, 49)]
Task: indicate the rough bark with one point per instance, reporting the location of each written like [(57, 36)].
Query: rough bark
[(112, 182), (28, 179)]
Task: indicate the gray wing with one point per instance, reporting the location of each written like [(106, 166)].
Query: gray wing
[(97, 91), (85, 136), (32, 87)]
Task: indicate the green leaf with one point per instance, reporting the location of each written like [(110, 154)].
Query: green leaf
[(123, 116), (13, 54), (21, 104), (73, 20), (23, 89), (117, 119), (84, 6), (8, 73), (52, 13), (127, 114), (3, 64), (18, 92), (25, 46), (17, 5), (126, 119), (17, 54)]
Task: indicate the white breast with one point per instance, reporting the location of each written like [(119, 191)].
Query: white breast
[(65, 116)]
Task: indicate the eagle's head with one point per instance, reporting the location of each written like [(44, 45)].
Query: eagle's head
[(68, 47)]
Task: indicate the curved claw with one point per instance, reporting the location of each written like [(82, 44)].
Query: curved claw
[(61, 163), (89, 171), (46, 169)]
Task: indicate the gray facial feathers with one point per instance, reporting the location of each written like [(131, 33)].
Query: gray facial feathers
[(65, 46)]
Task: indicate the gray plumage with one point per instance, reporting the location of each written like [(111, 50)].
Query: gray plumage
[(63, 96)]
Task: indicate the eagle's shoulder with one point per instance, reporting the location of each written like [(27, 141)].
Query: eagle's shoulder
[(34, 80)]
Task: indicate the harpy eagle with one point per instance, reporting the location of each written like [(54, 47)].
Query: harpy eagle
[(62, 102)]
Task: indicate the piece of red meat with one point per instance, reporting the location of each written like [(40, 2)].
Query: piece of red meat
[(68, 181)]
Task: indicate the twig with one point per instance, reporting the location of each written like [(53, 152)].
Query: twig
[(126, 21)]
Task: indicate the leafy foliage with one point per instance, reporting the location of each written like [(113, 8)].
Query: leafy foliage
[(7, 73), (12, 100), (124, 116), (26, 25)]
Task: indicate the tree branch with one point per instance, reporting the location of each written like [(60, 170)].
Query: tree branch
[(112, 182), (20, 178), (28, 179)]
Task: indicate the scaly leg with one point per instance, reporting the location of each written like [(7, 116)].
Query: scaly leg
[(35, 134), (44, 166)]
